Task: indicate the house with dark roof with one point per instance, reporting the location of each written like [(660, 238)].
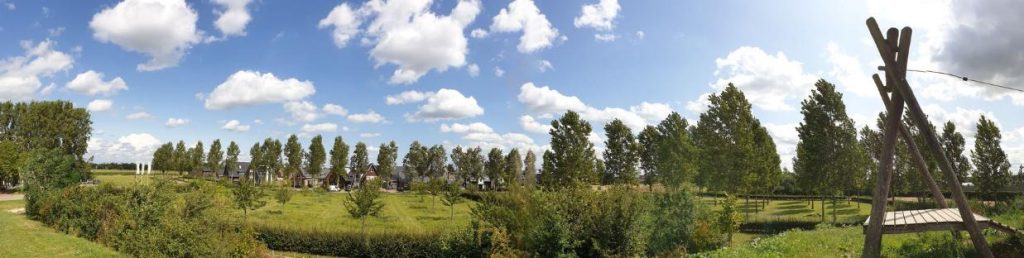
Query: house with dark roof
[(305, 179)]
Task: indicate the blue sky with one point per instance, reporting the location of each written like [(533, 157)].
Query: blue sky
[(246, 70)]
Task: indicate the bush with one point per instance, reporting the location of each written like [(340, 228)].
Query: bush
[(158, 220), (350, 243)]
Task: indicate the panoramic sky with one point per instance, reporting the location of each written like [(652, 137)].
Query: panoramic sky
[(488, 73)]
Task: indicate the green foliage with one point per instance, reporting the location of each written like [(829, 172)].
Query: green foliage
[(494, 167), (648, 153), (570, 222), (729, 219), (621, 154), (513, 171), (283, 195), (271, 159), (360, 160), (44, 170), (416, 160), (339, 158), (372, 244), (195, 153), (386, 157), (163, 157), (316, 156), (364, 202), (293, 156), (47, 125), (530, 171), (827, 136), (9, 164), (153, 220), (181, 157), (570, 162), (992, 169), (452, 195), (215, 157), (953, 144), (248, 196), (676, 153), (682, 224), (469, 164), (231, 163)]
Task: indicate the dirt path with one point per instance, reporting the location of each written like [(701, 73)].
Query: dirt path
[(11, 197)]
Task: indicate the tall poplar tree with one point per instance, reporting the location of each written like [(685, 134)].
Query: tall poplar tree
[(953, 144), (676, 154), (828, 157), (386, 157), (530, 171), (436, 161), (256, 164), (317, 156), (513, 167), (621, 154), (293, 157), (231, 162), (196, 158), (215, 157), (271, 149), (415, 161), (494, 166), (992, 169), (360, 161), (648, 152), (180, 157), (339, 159), (571, 160)]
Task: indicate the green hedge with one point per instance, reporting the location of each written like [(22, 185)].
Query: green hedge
[(355, 244)]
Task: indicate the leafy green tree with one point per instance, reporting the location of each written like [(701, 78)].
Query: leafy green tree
[(215, 157), (283, 195), (48, 125), (9, 157), (339, 159), (386, 157), (415, 161), (571, 160), (360, 161), (513, 167), (316, 157), (46, 169), (436, 161), (248, 196), (530, 172), (163, 157), (494, 166), (196, 158), (293, 157), (648, 153), (953, 144), (621, 154), (271, 159), (992, 169), (828, 159), (458, 157), (676, 153), (452, 196), (728, 219), (364, 202), (231, 163), (256, 164), (181, 157)]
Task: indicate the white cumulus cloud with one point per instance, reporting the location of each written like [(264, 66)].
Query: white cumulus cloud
[(138, 116), (309, 129), (236, 126), (233, 17), (99, 105), (407, 97), (176, 122), (530, 124), (91, 83), (162, 29), (368, 117), (303, 111), (345, 22), (445, 104), (20, 75), (246, 88), (770, 82), (334, 109), (523, 15)]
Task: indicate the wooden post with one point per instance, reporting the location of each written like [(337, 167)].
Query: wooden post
[(873, 238), (922, 166), (896, 71)]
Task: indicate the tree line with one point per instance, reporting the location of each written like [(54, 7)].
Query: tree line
[(30, 128)]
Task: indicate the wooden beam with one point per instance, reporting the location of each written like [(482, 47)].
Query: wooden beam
[(922, 166), (896, 70), (873, 237)]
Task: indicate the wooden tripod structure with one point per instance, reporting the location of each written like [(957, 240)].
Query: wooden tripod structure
[(896, 94)]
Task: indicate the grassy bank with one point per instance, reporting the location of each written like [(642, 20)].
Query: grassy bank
[(21, 237)]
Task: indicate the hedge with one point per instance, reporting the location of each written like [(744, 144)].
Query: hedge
[(353, 243)]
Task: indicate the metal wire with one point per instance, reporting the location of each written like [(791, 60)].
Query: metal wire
[(964, 78)]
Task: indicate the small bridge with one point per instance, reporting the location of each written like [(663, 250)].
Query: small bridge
[(910, 221)]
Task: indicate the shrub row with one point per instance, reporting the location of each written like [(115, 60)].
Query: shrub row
[(159, 220), (369, 244)]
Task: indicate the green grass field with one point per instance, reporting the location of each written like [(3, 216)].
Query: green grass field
[(21, 237), (797, 210), (405, 212)]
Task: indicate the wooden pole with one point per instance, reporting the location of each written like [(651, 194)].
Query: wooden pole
[(873, 238), (922, 166), (897, 72)]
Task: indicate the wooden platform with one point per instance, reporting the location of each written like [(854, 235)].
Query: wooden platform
[(910, 221)]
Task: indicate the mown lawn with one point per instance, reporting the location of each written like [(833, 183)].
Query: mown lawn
[(796, 210), (21, 237), (405, 212)]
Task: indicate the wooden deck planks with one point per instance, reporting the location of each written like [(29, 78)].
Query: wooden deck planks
[(908, 221)]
